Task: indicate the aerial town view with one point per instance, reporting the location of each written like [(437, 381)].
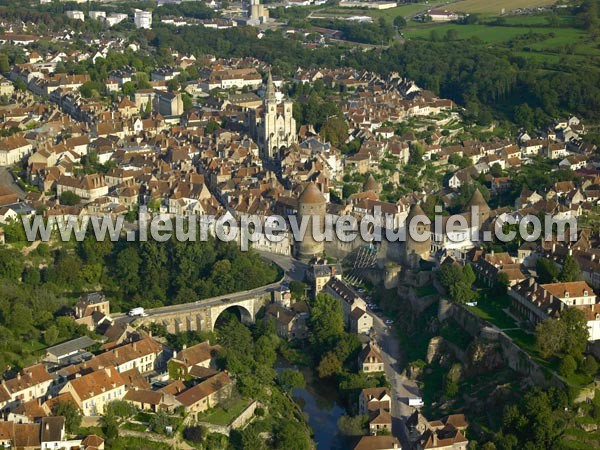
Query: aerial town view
[(300, 225)]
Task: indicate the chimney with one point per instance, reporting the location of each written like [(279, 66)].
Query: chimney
[(107, 370), (174, 353), (116, 353), (184, 346), (134, 346)]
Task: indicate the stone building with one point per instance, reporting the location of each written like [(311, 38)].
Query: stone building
[(273, 125), (311, 204)]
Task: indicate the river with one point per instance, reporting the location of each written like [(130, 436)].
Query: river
[(320, 401)]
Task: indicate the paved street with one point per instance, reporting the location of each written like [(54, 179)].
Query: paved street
[(402, 388), (7, 180)]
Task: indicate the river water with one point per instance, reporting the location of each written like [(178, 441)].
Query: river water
[(320, 401)]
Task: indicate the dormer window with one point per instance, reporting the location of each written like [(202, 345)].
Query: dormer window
[(585, 293), (566, 295)]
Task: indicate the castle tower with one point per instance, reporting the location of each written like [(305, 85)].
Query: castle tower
[(371, 184), (483, 208), (311, 204), (418, 237)]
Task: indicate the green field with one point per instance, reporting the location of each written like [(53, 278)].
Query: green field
[(495, 7), (488, 34)]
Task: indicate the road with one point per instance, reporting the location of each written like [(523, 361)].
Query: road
[(402, 388), (7, 180)]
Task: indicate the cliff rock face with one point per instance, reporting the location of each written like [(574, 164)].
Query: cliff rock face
[(483, 357)]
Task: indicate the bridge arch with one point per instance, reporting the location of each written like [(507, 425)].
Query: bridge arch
[(244, 315)]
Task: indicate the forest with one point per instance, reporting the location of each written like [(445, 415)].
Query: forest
[(39, 289)]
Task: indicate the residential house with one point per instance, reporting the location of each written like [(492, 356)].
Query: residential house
[(92, 392), (370, 360), (378, 443), (207, 394)]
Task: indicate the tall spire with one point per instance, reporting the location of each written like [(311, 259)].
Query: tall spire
[(270, 90)]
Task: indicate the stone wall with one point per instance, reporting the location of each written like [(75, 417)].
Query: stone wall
[(514, 356), (245, 416)]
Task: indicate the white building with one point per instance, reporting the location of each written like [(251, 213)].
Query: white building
[(75, 15), (143, 19)]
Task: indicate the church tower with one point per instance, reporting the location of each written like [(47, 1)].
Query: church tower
[(275, 126)]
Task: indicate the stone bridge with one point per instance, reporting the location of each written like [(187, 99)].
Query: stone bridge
[(203, 314)]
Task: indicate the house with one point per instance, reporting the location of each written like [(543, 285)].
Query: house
[(13, 149), (90, 303), (69, 352), (441, 15), (92, 392), (376, 403), (207, 394), (444, 434), (370, 360), (360, 321), (30, 383), (320, 272), (291, 323), (202, 355), (145, 399), (89, 187), (347, 296), (537, 302), (378, 443)]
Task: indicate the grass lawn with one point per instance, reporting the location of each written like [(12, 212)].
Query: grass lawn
[(135, 426), (224, 414), (424, 291), (488, 34), (491, 307), (495, 7), (34, 346)]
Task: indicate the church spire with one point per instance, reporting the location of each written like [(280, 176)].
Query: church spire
[(270, 90)]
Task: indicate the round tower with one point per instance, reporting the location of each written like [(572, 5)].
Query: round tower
[(311, 204), (371, 184), (483, 211), (418, 236)]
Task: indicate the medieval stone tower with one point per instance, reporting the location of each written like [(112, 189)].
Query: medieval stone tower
[(418, 237), (274, 126), (483, 209), (311, 204)]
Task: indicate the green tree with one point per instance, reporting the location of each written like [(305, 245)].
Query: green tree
[(51, 335), (69, 198), (567, 366), (547, 270), (549, 336), (576, 332), (570, 270), (291, 379), (71, 414), (399, 22), (353, 425), (4, 63), (291, 435), (329, 366), (327, 322)]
